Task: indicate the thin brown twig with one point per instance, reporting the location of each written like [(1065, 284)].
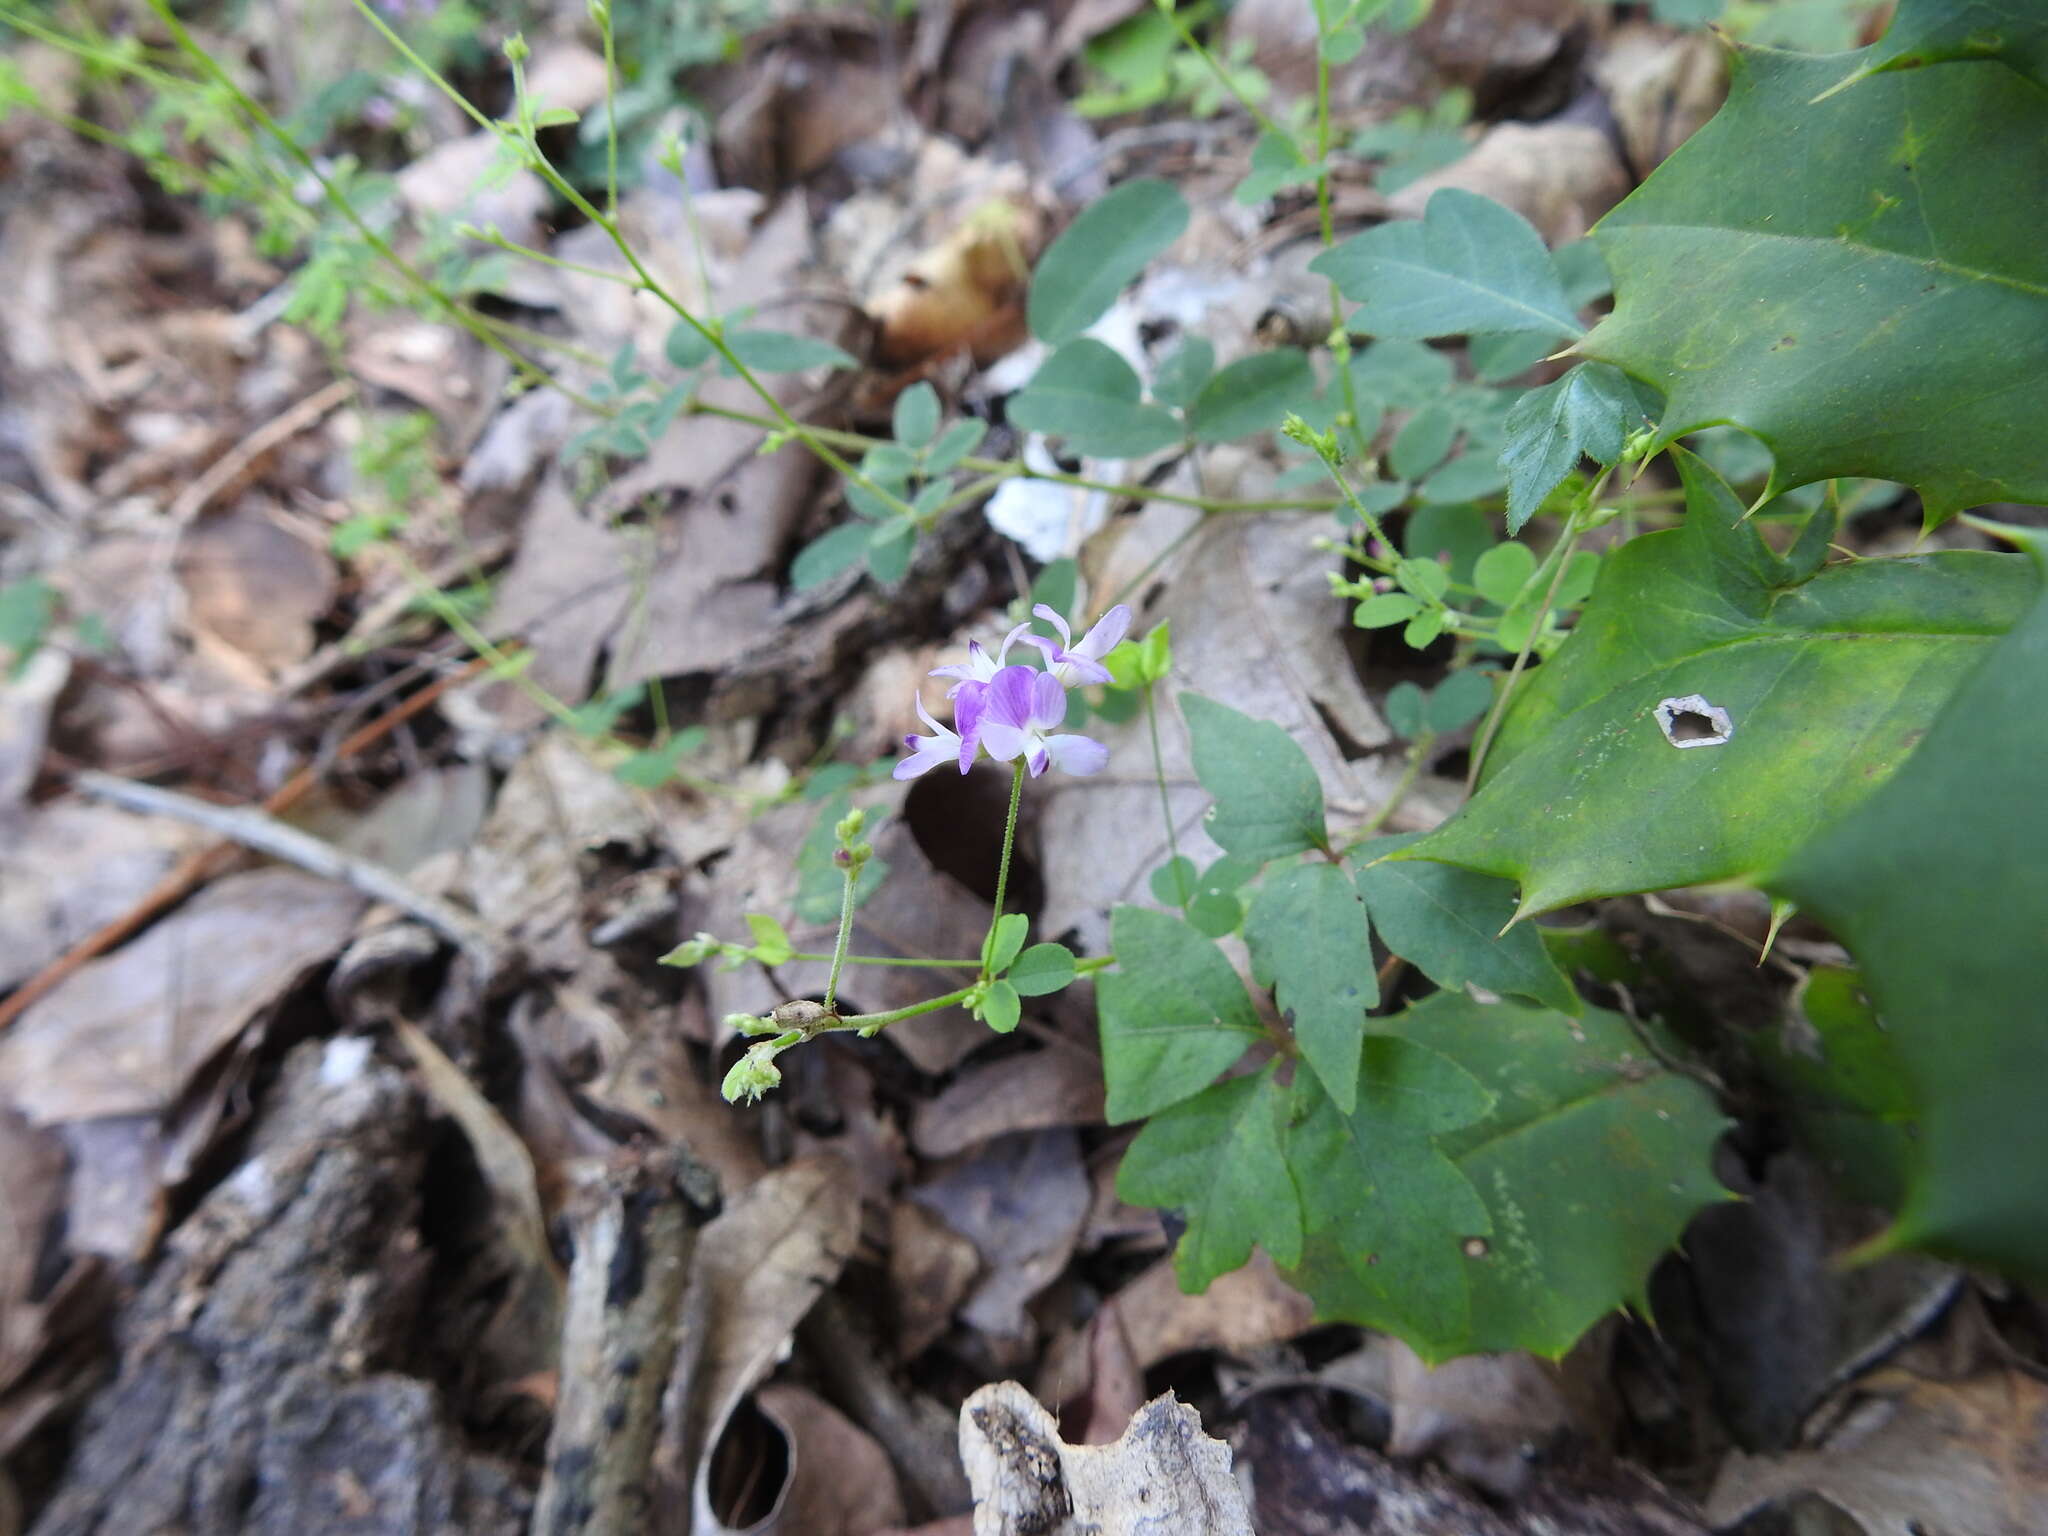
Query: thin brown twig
[(201, 865)]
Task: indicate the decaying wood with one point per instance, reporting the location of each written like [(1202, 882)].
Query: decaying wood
[(254, 1394), (634, 1236), (1163, 1478)]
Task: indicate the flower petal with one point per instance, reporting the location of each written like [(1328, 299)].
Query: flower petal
[(1011, 694), (1004, 742), (1039, 759), (1048, 701), (1051, 616), (1107, 631), (926, 753), (1081, 755)]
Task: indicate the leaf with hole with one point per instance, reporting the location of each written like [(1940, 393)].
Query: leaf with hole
[(1828, 684)]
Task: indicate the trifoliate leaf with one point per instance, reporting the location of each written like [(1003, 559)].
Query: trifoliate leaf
[(1586, 414)]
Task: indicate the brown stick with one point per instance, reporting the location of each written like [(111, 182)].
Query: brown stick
[(196, 868)]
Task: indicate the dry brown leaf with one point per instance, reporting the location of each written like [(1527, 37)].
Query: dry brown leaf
[(255, 585), (1060, 1085), (1662, 87), (1021, 1200), (429, 812), (833, 1095), (1241, 1311), (931, 1270), (806, 100), (658, 1084), (25, 704), (33, 1182), (839, 1481), (1164, 1474), (125, 1034), (758, 1267), (1915, 1457), (1559, 176)]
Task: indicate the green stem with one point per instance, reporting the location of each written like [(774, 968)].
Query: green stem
[(917, 961), (1093, 964), (1159, 778), (1418, 750), (845, 932), (611, 112), (869, 1022), (1563, 555), (1003, 871)]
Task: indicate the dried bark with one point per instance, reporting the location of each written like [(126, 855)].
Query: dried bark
[(251, 1397)]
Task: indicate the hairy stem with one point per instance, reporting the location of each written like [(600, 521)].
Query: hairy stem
[(1003, 870)]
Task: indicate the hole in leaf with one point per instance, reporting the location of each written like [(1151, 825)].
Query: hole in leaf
[(1693, 722)]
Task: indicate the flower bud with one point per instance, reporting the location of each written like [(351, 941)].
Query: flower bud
[(751, 1024), (751, 1076)]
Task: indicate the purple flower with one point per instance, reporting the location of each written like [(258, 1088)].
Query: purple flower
[(980, 666), (1020, 706), (1083, 663), (927, 752)]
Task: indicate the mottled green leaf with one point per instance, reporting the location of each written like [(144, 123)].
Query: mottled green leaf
[(1469, 265), (1938, 883), (1083, 271), (1386, 1214), (1218, 1159), (1269, 802), (1590, 1163), (1447, 923), (1173, 1014), (1309, 942), (1828, 686), (1851, 277)]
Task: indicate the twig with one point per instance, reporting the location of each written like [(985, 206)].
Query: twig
[(257, 829), (634, 1242), (230, 466), (196, 868)]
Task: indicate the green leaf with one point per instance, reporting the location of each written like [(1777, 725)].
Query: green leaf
[(1269, 802), (915, 421), (1002, 1008), (687, 347), (1277, 163), (1254, 394), (1215, 913), (1385, 610), (1938, 884), (1458, 700), (1173, 883), (27, 609), (1502, 572), (1083, 271), (771, 940), (1589, 1164), (1041, 969), (1404, 710), (1087, 394), (784, 352), (1828, 685), (1386, 1215), (1927, 32), (1186, 369), (954, 444), (1423, 441), (1586, 414), (1447, 923), (1004, 940), (1173, 1014), (1852, 279), (1470, 265), (889, 550), (828, 554), (1843, 1086), (654, 767), (1217, 1158), (1309, 942)]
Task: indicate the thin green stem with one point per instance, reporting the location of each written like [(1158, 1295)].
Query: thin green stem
[(611, 111), (1574, 526), (869, 1022), (845, 933), (916, 961), (1159, 778), (1418, 750), (1092, 964), (1216, 67), (1003, 870)]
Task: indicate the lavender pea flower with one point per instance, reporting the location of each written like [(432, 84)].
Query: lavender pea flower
[(1076, 664), (942, 746), (1020, 707)]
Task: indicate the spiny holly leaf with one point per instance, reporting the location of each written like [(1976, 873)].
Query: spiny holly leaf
[(1447, 923), (1084, 270), (1218, 1159), (1852, 279), (1927, 32), (1269, 802), (1387, 1215), (1307, 933), (1087, 394), (1938, 883), (1586, 414), (1590, 1163), (1173, 1014), (1469, 265), (1828, 686)]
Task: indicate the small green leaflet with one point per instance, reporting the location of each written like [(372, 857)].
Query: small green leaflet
[(1470, 265), (1269, 802), (1173, 1014), (1083, 271), (1447, 923), (829, 554), (1218, 1159), (1308, 938), (1187, 368), (1253, 394), (1586, 414), (915, 419), (783, 352), (1041, 969), (1087, 394)]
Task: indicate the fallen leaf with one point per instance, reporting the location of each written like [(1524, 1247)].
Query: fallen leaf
[(931, 1270), (256, 586), (124, 1034), (1060, 1085), (1560, 176), (839, 1481), (1021, 1200)]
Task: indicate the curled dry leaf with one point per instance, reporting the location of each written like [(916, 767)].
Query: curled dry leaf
[(1164, 1474), (966, 292), (839, 1482)]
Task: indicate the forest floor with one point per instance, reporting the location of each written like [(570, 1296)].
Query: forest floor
[(339, 1081)]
